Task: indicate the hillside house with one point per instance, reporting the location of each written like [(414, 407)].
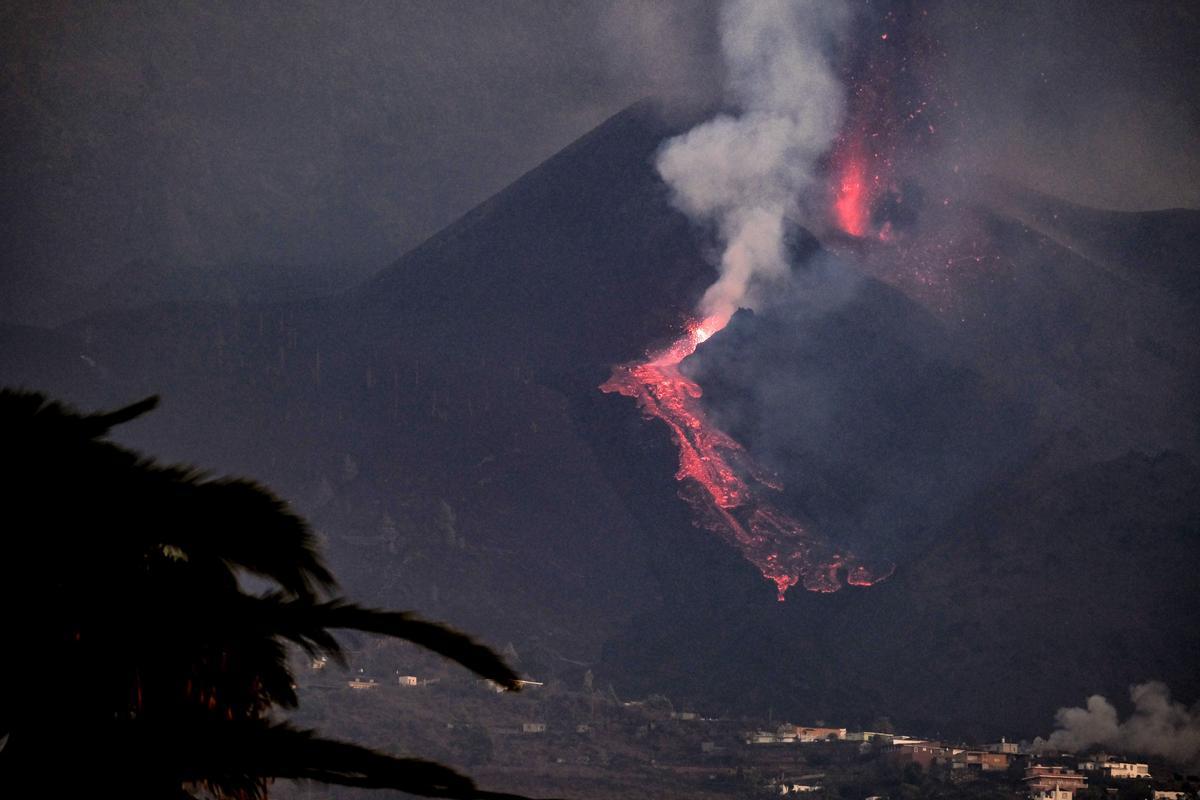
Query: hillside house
[(1052, 782), (799, 788), (533, 727), (981, 760), (807, 734), (924, 754), (900, 741), (362, 683), (1119, 770), (409, 680), (1052, 794)]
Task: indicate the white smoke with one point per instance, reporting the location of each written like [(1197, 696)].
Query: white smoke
[(1157, 727), (747, 172)]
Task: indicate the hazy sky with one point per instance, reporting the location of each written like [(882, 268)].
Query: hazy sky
[(201, 134)]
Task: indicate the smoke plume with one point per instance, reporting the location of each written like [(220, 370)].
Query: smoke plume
[(745, 172), (1157, 727)]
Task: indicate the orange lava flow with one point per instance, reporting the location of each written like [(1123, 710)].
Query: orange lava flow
[(726, 490)]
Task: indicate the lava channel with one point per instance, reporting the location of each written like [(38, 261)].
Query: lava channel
[(726, 489)]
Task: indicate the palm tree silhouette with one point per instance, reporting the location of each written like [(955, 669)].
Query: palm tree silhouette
[(134, 661)]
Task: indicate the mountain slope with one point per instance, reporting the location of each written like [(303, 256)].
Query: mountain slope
[(1018, 436)]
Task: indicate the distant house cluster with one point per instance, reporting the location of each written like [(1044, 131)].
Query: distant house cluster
[(793, 734), (407, 681), (1041, 781), (723, 749)]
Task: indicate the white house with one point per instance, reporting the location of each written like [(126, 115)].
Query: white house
[(1120, 770), (1126, 769), (1055, 793)]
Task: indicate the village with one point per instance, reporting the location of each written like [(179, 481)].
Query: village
[(585, 741)]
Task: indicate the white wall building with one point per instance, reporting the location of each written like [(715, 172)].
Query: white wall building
[(1121, 770), (1053, 794)]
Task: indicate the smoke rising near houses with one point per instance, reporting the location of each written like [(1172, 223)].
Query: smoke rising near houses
[(1158, 726)]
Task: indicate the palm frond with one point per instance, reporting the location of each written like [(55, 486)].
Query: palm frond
[(246, 525), (142, 595), (99, 424)]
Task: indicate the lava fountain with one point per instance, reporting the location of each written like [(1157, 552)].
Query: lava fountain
[(855, 192), (728, 492)]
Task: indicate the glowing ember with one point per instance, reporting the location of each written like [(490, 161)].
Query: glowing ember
[(725, 488)]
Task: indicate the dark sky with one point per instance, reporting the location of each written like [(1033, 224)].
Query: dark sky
[(210, 134)]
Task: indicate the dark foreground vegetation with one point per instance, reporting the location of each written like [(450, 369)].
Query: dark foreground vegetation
[(137, 659)]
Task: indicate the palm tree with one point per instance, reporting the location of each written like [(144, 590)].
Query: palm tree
[(134, 659)]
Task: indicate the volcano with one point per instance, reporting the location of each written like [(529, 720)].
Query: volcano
[(999, 401)]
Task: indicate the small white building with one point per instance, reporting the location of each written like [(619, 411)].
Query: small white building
[(1119, 770), (905, 741), (1126, 769), (363, 683), (533, 727), (1054, 793), (409, 680)]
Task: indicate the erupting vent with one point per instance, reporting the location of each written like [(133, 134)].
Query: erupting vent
[(856, 190), (727, 491)]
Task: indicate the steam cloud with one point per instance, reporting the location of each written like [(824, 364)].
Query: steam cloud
[(1157, 727), (746, 173)]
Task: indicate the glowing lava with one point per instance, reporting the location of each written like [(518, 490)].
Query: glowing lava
[(725, 488), (852, 205)]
